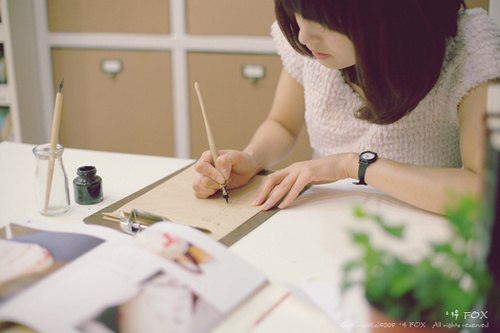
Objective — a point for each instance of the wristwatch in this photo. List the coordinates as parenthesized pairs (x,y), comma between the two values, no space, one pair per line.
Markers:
(365,159)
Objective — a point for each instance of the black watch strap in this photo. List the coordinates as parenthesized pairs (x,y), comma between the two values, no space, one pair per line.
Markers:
(365,159)
(361,173)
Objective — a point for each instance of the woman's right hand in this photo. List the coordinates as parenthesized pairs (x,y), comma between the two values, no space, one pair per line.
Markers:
(232,168)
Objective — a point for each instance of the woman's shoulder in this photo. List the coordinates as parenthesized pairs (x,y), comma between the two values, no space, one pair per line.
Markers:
(473,55)
(473,14)
(476,20)
(477,32)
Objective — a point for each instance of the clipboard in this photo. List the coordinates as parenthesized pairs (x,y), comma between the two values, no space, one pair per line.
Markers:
(234,232)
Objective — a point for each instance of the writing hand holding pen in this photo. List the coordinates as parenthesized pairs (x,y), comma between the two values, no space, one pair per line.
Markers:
(225,175)
(211,143)
(233,167)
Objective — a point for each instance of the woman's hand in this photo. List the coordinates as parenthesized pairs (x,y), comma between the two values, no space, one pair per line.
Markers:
(286,184)
(232,168)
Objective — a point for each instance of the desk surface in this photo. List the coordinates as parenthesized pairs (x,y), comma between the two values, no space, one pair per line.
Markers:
(303,245)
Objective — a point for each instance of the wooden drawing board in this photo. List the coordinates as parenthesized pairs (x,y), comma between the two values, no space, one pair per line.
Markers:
(172,197)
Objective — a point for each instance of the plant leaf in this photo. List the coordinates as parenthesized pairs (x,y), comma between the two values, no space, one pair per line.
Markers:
(396,231)
(360,238)
(359,212)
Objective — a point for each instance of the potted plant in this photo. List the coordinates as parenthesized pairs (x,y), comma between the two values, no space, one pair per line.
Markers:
(438,290)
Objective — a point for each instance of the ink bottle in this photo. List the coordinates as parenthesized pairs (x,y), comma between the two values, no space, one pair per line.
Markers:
(87,186)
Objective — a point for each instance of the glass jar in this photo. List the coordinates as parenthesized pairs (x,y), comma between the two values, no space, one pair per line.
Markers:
(51,185)
(87,186)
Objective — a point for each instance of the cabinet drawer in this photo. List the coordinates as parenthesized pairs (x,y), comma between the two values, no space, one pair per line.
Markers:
(229,17)
(130,113)
(235,105)
(126,16)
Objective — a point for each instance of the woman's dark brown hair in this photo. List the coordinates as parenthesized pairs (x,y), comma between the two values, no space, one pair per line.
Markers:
(400,46)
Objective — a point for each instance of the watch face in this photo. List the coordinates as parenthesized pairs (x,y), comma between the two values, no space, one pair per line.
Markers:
(368,155)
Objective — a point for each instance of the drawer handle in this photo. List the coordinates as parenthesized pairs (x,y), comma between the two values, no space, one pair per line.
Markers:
(253,72)
(111,67)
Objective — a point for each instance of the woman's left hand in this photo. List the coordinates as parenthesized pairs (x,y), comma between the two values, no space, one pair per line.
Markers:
(286,184)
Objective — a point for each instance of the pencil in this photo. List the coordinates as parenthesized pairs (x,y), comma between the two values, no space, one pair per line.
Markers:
(211,141)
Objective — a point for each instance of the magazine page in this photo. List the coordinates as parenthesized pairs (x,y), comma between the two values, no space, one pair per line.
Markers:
(30,254)
(168,278)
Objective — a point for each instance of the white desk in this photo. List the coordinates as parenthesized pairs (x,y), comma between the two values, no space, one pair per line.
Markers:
(306,243)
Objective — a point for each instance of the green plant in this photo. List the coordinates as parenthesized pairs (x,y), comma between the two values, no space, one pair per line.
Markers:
(449,278)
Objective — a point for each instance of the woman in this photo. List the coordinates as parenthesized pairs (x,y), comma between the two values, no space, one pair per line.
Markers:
(404,80)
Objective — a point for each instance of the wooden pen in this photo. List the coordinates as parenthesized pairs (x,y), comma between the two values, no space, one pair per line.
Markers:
(211,141)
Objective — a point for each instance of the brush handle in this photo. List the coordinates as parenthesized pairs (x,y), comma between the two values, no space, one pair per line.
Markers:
(210,137)
(54,137)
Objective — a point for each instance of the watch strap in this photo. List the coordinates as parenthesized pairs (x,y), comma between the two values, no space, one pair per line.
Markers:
(361,173)
(365,159)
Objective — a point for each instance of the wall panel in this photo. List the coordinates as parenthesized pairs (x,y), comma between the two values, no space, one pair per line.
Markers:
(130,113)
(229,17)
(127,16)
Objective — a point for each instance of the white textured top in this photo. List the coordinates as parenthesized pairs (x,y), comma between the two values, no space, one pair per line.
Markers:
(429,135)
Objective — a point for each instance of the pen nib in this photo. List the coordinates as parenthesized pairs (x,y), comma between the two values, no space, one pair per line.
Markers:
(225,195)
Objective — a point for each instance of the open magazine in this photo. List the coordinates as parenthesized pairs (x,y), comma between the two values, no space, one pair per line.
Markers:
(168,278)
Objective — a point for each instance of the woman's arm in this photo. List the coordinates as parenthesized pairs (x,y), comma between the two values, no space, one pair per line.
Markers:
(275,137)
(434,188)
(426,187)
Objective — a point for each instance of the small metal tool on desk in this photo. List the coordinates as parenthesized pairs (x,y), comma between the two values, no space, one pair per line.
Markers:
(138,220)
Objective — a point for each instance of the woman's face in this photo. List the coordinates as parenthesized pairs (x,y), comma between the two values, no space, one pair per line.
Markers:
(330,48)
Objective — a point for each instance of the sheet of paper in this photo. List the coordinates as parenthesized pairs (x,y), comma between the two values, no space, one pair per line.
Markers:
(175,200)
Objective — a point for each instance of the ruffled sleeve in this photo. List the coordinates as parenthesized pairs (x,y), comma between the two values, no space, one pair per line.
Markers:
(292,61)
(474,55)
